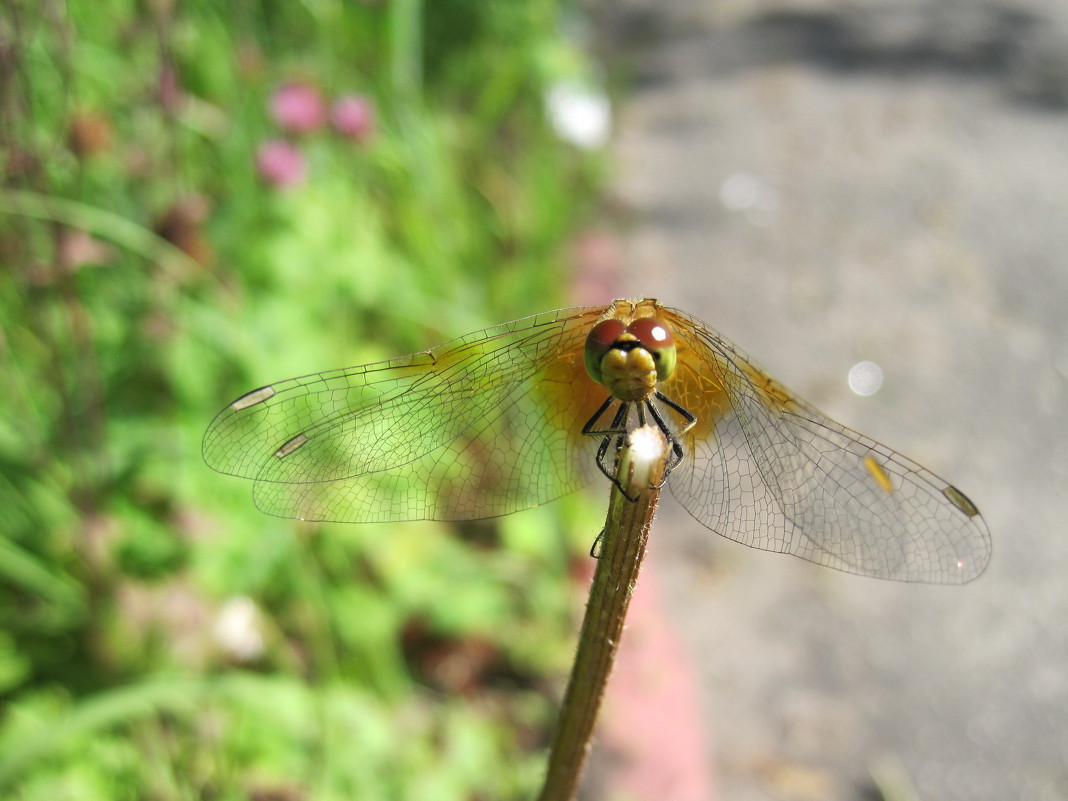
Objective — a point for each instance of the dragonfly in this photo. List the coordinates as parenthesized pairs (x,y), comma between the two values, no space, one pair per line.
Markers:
(517,415)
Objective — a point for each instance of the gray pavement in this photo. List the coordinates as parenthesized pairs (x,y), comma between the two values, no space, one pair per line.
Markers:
(826,183)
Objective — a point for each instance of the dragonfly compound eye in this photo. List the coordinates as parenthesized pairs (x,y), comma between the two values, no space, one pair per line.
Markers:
(656,338)
(601,339)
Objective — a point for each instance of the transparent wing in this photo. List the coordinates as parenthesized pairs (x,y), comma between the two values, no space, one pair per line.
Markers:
(770,471)
(481,426)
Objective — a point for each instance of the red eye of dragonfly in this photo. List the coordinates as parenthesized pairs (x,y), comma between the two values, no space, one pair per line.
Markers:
(507,418)
(656,338)
(599,341)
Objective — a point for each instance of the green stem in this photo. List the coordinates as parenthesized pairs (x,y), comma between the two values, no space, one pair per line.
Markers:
(109,225)
(406,48)
(641,470)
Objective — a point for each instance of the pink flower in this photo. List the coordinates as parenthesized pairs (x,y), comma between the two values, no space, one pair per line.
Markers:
(280,163)
(353,116)
(298,108)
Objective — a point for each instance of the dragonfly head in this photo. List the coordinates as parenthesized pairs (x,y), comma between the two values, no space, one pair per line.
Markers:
(630,359)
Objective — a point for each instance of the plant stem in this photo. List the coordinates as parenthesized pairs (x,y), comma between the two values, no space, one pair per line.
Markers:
(406,48)
(640,471)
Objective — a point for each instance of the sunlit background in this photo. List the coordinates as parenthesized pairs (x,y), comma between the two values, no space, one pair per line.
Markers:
(200,198)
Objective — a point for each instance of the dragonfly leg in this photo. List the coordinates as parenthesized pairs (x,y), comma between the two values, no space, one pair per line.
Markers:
(597,415)
(617,430)
(620,427)
(682,411)
(678,453)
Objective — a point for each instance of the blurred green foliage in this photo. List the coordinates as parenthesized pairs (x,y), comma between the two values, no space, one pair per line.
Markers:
(159,638)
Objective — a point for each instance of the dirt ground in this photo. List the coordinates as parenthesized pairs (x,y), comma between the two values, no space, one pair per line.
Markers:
(828,183)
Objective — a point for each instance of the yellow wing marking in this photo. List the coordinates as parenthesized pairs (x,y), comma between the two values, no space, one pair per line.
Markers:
(878,472)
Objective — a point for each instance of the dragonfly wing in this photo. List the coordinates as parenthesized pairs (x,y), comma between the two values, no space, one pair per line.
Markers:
(481,426)
(500,464)
(770,471)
